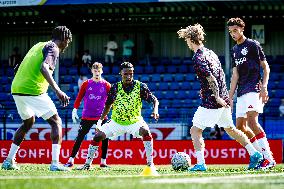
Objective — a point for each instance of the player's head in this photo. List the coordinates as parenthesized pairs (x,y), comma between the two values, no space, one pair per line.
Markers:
(63,36)
(192,35)
(236,28)
(126,72)
(97,70)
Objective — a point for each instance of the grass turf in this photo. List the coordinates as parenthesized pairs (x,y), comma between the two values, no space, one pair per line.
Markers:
(38,176)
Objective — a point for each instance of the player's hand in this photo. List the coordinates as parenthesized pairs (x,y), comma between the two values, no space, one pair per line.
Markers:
(64,99)
(99,125)
(155,116)
(222,102)
(75,116)
(264,95)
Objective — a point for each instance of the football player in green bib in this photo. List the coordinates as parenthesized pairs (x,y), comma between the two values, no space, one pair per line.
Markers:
(125,98)
(29,90)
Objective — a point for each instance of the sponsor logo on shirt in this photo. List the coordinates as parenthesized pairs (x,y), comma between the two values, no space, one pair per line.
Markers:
(240,60)
(94,97)
(90,88)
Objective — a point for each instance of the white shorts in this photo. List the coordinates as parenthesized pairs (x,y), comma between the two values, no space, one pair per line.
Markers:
(113,129)
(248,102)
(41,106)
(204,117)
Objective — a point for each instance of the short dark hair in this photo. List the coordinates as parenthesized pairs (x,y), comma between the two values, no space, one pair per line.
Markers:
(236,22)
(126,65)
(61,33)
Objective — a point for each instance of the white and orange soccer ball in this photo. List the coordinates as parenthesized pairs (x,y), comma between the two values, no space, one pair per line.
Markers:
(180,161)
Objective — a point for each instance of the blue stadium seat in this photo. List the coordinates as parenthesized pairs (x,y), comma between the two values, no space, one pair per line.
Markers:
(182,94)
(174,86)
(170,95)
(145,78)
(10,71)
(67,79)
(152,86)
(4,79)
(115,70)
(186,85)
(149,69)
(196,86)
(106,70)
(165,61)
(171,69)
(190,77)
(160,69)
(138,69)
(179,77)
(187,60)
(182,69)
(156,77)
(63,71)
(72,71)
(163,86)
(168,78)
(85,71)
(176,60)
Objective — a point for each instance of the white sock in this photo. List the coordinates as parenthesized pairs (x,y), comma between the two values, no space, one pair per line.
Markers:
(103,161)
(55,153)
(91,153)
(200,157)
(251,150)
(13,151)
(256,145)
(71,160)
(148,145)
(265,149)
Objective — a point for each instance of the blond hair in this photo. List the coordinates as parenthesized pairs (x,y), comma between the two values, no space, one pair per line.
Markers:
(195,33)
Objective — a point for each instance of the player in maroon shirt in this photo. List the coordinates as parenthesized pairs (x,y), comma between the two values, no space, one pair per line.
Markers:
(248,59)
(215,104)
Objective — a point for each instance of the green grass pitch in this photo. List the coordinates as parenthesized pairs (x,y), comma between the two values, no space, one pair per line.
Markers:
(37,176)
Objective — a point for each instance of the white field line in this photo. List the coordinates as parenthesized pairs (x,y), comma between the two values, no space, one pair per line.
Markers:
(159,179)
(245,178)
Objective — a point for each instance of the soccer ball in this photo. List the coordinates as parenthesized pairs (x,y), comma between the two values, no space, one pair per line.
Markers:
(180,161)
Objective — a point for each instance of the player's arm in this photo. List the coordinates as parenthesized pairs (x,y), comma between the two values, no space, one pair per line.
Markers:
(234,82)
(110,100)
(50,56)
(266,71)
(215,90)
(146,95)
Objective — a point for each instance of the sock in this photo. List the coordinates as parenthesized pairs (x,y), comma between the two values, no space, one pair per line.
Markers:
(200,157)
(255,144)
(264,146)
(13,151)
(103,161)
(71,160)
(91,153)
(148,145)
(251,150)
(55,153)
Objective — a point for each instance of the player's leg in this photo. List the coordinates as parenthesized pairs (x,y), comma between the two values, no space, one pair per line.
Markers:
(242,106)
(107,131)
(56,138)
(85,126)
(9,163)
(199,148)
(104,153)
(28,116)
(226,122)
(202,118)
(260,137)
(144,132)
(103,163)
